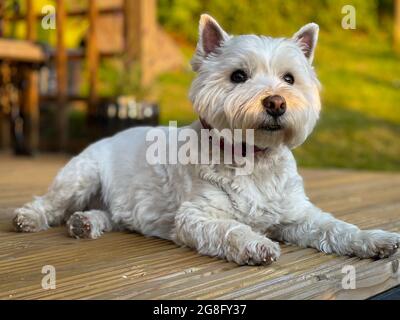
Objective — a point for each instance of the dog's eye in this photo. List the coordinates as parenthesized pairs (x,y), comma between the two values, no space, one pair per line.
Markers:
(288,77)
(239,76)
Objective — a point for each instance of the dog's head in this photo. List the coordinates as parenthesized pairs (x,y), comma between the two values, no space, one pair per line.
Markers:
(257,82)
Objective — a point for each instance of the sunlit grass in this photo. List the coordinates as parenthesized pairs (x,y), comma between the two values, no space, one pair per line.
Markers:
(360,122)
(174,101)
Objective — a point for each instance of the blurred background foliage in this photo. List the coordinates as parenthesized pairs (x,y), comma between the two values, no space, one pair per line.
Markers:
(270,17)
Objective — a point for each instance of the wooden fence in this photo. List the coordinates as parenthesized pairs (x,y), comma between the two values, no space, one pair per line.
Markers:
(141,41)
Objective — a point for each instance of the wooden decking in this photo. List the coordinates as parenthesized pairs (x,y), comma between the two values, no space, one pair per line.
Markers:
(129,266)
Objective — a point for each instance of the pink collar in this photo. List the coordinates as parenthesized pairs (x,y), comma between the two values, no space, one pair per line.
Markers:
(256,150)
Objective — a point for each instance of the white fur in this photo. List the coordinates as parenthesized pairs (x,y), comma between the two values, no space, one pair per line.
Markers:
(208,207)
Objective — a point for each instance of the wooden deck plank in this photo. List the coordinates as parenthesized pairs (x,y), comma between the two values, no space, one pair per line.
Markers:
(123,265)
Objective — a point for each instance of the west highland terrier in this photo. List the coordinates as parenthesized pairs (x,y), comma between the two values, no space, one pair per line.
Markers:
(243,82)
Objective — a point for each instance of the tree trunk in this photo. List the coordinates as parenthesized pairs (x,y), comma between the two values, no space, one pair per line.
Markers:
(396,31)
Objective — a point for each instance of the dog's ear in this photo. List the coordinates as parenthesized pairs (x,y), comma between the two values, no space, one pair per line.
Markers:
(307,38)
(211,37)
(211,34)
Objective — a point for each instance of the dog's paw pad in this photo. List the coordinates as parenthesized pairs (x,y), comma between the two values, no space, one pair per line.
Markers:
(79,226)
(27,221)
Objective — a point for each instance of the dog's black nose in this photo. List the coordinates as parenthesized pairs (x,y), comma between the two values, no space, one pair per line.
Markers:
(275,105)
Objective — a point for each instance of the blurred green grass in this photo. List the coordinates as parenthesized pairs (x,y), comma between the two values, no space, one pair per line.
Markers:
(360,122)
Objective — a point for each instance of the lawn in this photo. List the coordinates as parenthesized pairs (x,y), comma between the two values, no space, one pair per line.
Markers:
(360,122)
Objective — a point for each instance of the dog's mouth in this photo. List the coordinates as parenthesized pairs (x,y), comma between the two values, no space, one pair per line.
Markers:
(272,127)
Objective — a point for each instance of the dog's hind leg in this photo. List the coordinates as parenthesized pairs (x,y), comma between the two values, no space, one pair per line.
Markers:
(70,191)
(89,224)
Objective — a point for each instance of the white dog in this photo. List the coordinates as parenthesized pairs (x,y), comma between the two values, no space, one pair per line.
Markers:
(243,82)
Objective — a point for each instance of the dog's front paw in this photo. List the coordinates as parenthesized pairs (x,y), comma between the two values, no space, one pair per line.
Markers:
(28,220)
(377,244)
(259,251)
